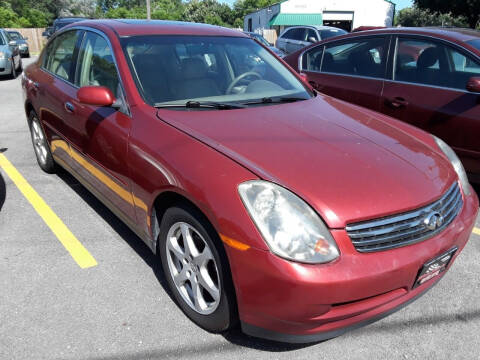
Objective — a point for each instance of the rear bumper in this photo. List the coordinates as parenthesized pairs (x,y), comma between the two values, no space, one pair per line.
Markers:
(292,302)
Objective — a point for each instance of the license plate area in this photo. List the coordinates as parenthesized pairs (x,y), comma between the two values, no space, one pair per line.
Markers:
(434,267)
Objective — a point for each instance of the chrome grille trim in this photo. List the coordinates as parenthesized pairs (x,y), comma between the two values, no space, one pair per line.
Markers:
(406,228)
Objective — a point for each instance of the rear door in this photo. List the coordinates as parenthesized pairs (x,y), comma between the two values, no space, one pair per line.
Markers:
(54,86)
(352,70)
(99,150)
(427,88)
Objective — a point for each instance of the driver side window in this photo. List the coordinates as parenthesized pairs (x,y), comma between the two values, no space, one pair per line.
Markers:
(96,65)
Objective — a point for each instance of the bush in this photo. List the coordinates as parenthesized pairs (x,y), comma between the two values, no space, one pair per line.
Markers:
(420,17)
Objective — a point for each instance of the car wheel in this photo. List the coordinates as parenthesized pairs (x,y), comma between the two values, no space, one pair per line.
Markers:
(196,269)
(13,74)
(20,66)
(40,145)
(27,55)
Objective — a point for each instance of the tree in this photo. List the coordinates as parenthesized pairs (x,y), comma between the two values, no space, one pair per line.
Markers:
(208,11)
(470,9)
(420,17)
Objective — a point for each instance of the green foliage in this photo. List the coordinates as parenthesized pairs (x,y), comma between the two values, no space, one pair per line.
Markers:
(469,9)
(421,17)
(208,11)
(41,13)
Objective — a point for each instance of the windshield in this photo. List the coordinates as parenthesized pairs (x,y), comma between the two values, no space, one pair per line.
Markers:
(325,34)
(15,35)
(178,69)
(475,43)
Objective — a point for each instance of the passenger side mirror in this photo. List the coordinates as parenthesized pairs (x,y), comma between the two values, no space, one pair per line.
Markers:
(96,95)
(12,43)
(312,39)
(473,84)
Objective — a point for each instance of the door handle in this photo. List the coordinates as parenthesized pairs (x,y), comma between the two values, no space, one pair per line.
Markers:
(397,102)
(69,107)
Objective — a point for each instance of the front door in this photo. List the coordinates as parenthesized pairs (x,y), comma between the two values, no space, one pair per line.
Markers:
(428,90)
(100,151)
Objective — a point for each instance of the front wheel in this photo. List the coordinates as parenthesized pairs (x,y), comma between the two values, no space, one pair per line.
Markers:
(196,269)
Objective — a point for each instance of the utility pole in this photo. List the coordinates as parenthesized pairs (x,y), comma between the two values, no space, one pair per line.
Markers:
(148,10)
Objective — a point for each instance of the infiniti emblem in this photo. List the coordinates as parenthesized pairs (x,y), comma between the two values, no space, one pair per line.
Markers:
(433,220)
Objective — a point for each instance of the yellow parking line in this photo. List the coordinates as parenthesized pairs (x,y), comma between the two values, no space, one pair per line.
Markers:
(476,231)
(64,235)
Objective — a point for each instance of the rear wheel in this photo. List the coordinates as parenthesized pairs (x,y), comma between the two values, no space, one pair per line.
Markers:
(196,269)
(40,145)
(13,74)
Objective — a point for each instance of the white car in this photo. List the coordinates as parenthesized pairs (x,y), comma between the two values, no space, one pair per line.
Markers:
(297,37)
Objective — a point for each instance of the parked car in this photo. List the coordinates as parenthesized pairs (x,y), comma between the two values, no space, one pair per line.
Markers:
(10,60)
(60,23)
(263,41)
(296,213)
(21,42)
(297,37)
(428,77)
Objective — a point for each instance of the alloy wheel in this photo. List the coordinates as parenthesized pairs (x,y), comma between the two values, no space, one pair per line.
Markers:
(193,268)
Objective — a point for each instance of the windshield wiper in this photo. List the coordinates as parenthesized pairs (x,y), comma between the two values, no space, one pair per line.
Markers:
(202,104)
(271,100)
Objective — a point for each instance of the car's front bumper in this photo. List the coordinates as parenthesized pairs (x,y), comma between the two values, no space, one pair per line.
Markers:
(5,66)
(292,302)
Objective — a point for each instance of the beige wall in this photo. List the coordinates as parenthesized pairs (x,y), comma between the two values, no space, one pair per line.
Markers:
(35,39)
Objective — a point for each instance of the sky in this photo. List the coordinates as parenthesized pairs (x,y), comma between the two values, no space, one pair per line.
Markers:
(400,3)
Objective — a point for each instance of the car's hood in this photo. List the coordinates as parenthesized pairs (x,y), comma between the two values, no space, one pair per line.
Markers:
(344,161)
(21,41)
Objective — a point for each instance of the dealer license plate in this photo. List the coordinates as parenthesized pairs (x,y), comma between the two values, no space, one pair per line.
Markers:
(434,267)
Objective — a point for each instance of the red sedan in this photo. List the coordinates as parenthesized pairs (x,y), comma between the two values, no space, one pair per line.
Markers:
(294,213)
(427,77)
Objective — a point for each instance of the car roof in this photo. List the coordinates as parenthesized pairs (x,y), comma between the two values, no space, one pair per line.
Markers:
(132,27)
(457,34)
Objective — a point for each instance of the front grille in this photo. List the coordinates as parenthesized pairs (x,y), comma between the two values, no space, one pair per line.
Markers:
(406,228)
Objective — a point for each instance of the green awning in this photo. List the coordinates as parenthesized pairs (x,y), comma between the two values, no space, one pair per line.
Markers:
(296,19)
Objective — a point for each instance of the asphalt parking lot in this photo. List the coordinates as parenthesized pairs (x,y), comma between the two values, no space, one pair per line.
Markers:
(118,307)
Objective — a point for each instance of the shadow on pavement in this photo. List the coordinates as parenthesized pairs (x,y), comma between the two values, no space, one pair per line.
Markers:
(234,336)
(3,186)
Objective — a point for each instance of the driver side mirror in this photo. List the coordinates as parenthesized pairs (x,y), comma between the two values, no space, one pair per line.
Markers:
(96,95)
(312,39)
(473,84)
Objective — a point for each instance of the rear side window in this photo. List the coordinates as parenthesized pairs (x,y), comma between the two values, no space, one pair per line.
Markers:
(2,39)
(59,55)
(96,65)
(365,57)
(312,59)
(433,63)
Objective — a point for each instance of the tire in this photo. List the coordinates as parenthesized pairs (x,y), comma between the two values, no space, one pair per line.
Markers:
(215,313)
(20,66)
(27,55)
(40,145)
(13,74)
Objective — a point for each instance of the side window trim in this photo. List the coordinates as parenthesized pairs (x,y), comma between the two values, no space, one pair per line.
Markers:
(125,108)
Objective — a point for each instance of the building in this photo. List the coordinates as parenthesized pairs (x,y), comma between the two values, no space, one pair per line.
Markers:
(345,14)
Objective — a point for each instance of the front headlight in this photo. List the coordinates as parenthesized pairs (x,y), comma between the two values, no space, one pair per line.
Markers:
(2,55)
(457,165)
(289,226)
